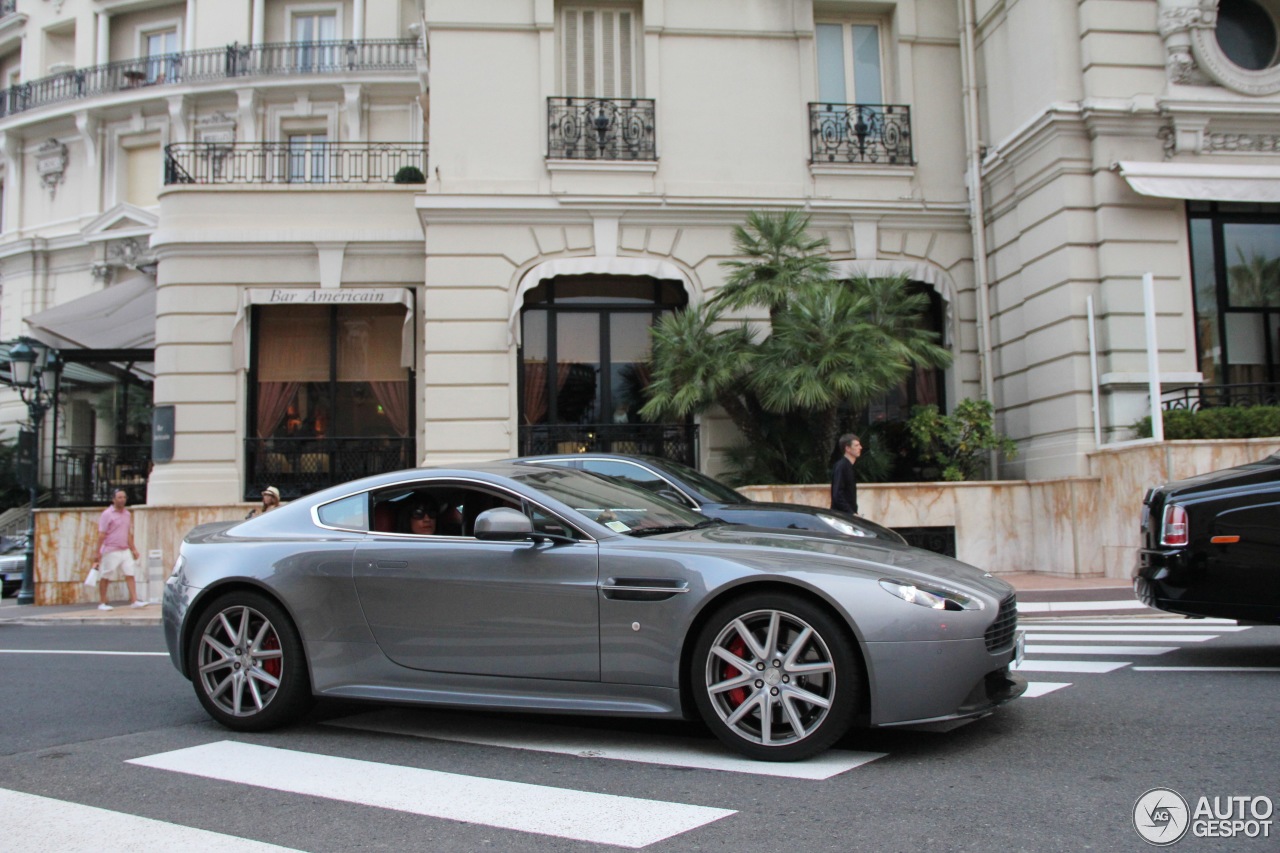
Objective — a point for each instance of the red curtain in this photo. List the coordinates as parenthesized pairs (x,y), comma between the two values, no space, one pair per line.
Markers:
(394,399)
(273,401)
(535,388)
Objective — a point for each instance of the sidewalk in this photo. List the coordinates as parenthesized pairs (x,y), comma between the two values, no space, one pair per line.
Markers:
(1038,595)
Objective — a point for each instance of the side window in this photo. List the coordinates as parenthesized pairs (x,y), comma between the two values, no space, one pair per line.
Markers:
(435,510)
(639,476)
(350,513)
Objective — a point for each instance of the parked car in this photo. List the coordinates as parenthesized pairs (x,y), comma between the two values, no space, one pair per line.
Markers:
(714,499)
(549,589)
(1211,544)
(13,559)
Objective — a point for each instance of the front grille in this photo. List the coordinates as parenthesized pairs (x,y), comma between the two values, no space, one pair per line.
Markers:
(1000,635)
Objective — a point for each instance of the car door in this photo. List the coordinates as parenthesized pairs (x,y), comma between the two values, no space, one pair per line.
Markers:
(1242,559)
(457,604)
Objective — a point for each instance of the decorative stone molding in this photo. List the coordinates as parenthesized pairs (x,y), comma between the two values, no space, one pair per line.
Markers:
(1192,50)
(51,164)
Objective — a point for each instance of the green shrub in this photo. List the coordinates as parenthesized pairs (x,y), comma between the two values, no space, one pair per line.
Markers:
(1223,422)
(410,175)
(957,445)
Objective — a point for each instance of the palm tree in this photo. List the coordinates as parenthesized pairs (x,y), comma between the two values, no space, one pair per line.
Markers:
(1254,282)
(842,346)
(696,366)
(779,260)
(831,345)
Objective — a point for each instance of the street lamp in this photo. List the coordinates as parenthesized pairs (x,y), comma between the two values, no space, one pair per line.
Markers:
(30,361)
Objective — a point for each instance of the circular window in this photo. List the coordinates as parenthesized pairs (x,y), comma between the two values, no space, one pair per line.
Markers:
(1246,33)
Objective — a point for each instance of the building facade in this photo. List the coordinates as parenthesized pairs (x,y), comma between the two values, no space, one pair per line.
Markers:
(325,300)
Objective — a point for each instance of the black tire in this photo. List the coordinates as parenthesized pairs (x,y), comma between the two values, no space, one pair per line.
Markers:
(789,697)
(247,664)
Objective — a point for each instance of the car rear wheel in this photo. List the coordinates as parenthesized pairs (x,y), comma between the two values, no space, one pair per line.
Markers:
(776,677)
(247,663)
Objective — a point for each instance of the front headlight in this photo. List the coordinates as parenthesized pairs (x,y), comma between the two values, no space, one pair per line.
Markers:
(931,597)
(839,525)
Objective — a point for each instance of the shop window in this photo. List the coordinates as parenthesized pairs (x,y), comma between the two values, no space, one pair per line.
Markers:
(595,331)
(1235,261)
(329,372)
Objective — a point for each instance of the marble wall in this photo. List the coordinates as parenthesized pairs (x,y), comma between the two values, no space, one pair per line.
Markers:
(1077,527)
(66,541)
(1071,527)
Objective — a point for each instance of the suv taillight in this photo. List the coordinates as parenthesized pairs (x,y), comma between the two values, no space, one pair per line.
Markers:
(1174,531)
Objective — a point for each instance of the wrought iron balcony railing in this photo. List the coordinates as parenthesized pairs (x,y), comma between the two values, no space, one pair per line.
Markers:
(291,163)
(860,133)
(235,60)
(600,129)
(300,466)
(678,442)
(1215,396)
(88,475)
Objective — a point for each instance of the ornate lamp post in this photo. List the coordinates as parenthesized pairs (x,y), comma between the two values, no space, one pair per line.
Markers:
(30,361)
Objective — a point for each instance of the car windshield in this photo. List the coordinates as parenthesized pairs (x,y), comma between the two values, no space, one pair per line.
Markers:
(713,489)
(619,506)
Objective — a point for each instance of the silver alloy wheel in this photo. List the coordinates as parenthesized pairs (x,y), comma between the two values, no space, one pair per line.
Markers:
(770,677)
(240,661)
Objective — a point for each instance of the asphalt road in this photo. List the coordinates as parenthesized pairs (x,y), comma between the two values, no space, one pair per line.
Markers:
(1058,771)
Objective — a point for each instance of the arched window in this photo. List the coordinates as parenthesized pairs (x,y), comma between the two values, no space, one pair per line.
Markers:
(584,364)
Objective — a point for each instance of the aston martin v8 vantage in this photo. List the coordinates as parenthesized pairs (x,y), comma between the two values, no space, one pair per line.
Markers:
(532,588)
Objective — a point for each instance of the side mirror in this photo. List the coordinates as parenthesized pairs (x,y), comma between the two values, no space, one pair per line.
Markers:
(503,525)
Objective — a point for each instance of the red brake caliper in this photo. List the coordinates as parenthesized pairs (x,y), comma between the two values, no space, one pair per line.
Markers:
(272,665)
(737,695)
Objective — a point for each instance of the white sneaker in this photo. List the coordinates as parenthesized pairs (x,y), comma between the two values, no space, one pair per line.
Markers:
(140,604)
(105,607)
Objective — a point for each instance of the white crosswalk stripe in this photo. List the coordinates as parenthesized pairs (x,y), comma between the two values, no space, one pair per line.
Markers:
(1094,666)
(1041,636)
(1051,649)
(1146,627)
(586,743)
(1042,688)
(40,823)
(578,815)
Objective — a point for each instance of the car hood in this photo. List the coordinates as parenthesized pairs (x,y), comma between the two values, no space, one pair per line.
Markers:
(771,550)
(802,509)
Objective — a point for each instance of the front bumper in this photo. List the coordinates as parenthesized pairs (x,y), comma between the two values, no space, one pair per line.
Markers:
(915,683)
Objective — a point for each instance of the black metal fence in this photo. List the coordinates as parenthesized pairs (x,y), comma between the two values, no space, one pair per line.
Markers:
(860,133)
(235,60)
(678,442)
(1215,396)
(291,163)
(600,129)
(88,475)
(299,466)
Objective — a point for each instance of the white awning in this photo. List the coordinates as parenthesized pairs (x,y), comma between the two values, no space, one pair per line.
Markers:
(1203,181)
(122,316)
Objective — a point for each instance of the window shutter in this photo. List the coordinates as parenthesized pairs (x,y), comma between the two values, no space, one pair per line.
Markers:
(599,52)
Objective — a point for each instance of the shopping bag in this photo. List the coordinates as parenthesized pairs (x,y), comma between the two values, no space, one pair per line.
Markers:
(91,579)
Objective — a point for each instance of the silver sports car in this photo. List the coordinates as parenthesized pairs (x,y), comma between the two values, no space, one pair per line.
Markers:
(530,588)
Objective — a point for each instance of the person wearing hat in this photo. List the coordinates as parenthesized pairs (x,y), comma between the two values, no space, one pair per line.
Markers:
(270,501)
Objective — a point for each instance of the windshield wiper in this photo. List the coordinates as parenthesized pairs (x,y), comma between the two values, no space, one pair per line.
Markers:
(675,528)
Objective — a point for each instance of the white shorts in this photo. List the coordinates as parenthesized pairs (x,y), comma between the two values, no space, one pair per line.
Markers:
(117,564)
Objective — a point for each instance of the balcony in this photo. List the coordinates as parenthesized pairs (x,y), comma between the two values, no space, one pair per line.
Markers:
(88,475)
(286,163)
(678,442)
(1216,396)
(875,134)
(609,129)
(236,60)
(299,466)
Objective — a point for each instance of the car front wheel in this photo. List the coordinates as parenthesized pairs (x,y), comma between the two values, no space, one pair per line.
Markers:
(247,663)
(776,677)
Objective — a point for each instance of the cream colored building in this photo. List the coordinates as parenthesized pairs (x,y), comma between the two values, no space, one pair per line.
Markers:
(315,320)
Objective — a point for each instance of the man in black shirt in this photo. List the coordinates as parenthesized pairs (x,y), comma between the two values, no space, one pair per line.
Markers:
(844,485)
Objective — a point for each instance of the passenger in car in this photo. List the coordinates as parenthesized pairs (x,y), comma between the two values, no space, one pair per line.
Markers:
(420,519)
